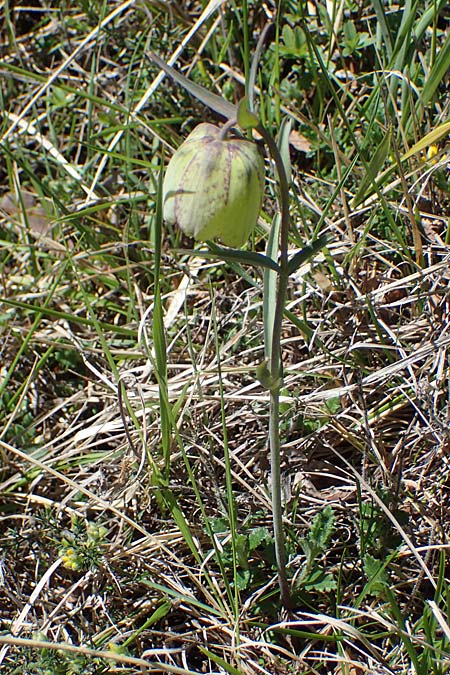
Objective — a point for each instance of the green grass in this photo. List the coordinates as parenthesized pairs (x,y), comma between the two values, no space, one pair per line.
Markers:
(135,513)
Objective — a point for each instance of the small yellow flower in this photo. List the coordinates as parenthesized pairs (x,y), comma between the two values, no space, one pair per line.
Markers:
(431,153)
(70,559)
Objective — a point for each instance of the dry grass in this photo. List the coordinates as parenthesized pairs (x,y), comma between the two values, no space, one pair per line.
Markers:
(103,556)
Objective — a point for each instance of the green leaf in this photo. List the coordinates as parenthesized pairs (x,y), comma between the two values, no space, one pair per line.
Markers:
(306,253)
(242,579)
(320,581)
(373,169)
(241,545)
(160,612)
(220,105)
(218,660)
(264,376)
(429,139)
(234,255)
(283,146)
(379,8)
(255,64)
(219,525)
(350,32)
(73,318)
(270,286)
(159,337)
(181,522)
(181,597)
(245,117)
(322,527)
(257,536)
(333,405)
(376,574)
(404,35)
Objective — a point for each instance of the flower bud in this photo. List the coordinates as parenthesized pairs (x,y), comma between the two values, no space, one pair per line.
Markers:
(213,187)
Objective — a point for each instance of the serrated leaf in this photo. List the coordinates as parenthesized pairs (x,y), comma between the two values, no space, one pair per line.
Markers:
(242,579)
(320,581)
(322,527)
(219,525)
(309,549)
(257,536)
(376,574)
(333,404)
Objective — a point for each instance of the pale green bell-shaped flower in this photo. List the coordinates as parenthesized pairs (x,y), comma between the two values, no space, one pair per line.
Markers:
(213,186)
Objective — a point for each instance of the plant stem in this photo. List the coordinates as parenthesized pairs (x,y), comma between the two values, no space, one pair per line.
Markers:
(276,371)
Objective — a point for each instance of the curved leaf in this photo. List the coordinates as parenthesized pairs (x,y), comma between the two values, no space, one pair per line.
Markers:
(306,253)
(234,255)
(220,105)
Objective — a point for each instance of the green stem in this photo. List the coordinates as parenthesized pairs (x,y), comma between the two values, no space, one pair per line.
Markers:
(226,128)
(276,371)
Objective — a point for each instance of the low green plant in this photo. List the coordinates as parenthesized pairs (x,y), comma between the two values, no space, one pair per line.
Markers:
(81,547)
(313,576)
(254,547)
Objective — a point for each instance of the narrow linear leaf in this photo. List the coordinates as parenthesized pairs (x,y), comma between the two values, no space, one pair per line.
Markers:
(429,139)
(234,255)
(219,661)
(73,318)
(283,146)
(334,638)
(183,597)
(160,613)
(440,67)
(159,337)
(373,169)
(220,105)
(181,523)
(302,327)
(270,286)
(306,253)
(404,35)
(378,7)
(432,137)
(255,64)
(428,18)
